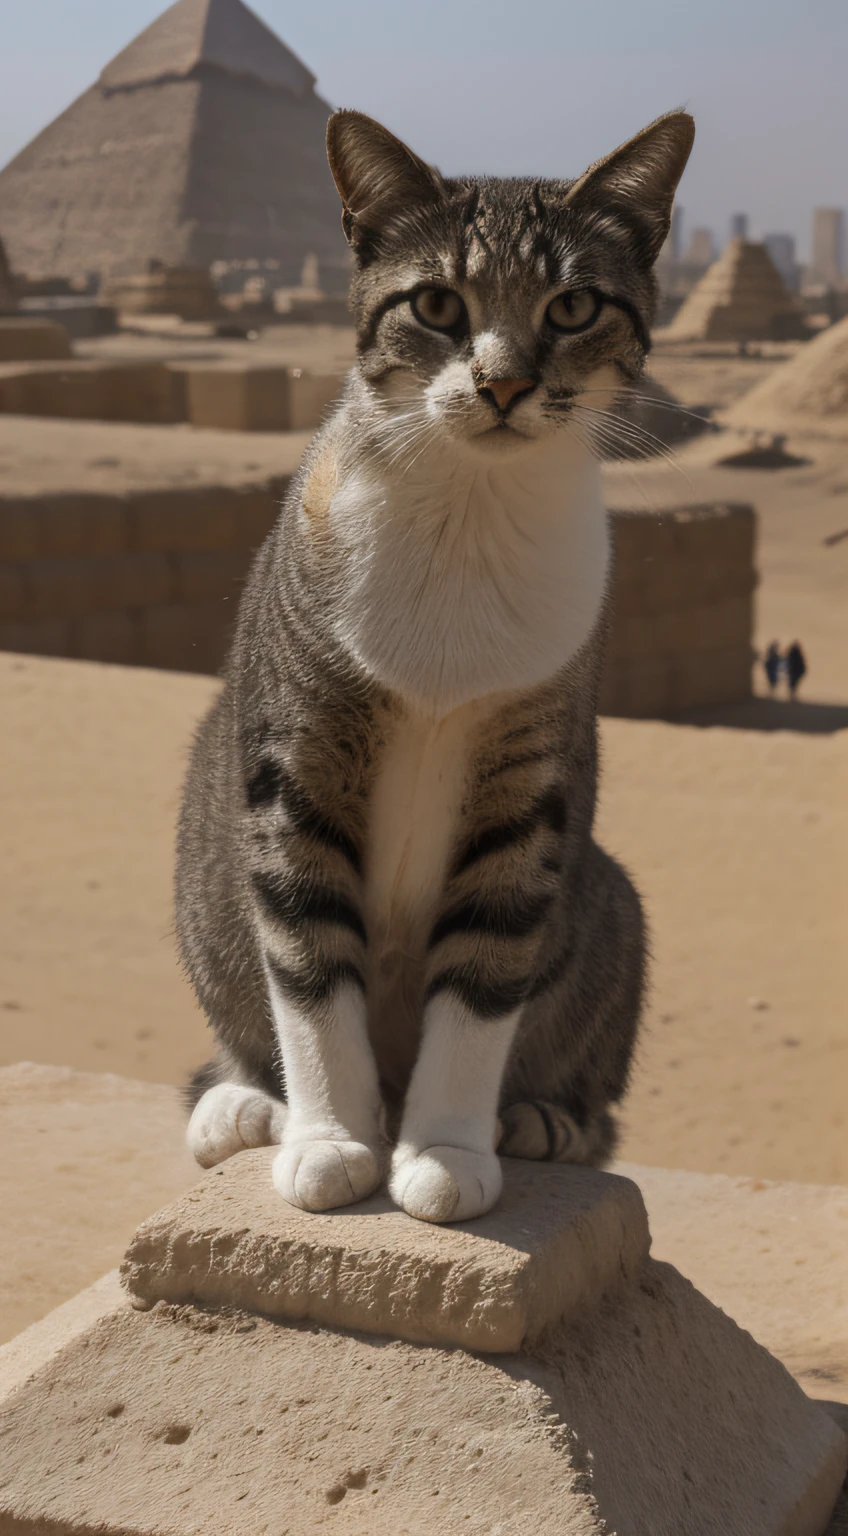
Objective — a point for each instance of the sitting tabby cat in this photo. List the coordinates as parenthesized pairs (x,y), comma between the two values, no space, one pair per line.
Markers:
(389,899)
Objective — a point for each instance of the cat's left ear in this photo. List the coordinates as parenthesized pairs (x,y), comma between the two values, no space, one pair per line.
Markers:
(378,177)
(640,179)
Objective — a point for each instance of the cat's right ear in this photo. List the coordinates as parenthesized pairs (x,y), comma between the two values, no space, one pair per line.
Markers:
(376,175)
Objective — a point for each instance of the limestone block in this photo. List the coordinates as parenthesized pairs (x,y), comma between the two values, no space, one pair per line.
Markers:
(636,686)
(773,1256)
(711,677)
(22,340)
(553,1240)
(91,391)
(310,396)
(649,1414)
(256,399)
(188,637)
(238,399)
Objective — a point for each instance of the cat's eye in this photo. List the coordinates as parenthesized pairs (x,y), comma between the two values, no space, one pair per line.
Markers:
(439,308)
(574,310)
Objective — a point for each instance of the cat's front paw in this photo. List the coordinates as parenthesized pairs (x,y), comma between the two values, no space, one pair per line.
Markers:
(320,1175)
(445,1183)
(229,1118)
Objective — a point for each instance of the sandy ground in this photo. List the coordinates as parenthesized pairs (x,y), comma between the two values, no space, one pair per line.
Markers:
(738,840)
(41,456)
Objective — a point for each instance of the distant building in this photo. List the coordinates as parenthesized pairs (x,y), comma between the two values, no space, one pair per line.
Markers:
(700,251)
(739,226)
(781,249)
(828,263)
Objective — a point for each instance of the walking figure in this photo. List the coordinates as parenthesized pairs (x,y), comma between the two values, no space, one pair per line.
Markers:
(796,666)
(772,664)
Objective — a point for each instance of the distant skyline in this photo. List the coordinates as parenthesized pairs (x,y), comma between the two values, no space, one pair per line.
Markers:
(534,87)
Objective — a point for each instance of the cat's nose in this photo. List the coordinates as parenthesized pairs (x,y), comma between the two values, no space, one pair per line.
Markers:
(505,392)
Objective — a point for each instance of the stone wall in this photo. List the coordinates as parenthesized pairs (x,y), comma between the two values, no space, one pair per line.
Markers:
(683,601)
(152,578)
(236,396)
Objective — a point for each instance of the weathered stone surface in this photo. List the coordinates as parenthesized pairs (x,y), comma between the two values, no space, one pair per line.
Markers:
(773,1256)
(559,1238)
(651,1415)
(39,1344)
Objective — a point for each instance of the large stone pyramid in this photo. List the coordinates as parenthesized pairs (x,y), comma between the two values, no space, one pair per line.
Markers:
(202,141)
(741,298)
(8,297)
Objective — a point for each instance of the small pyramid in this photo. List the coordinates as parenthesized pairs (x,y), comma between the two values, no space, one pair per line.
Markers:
(202,141)
(8,297)
(810,392)
(741,298)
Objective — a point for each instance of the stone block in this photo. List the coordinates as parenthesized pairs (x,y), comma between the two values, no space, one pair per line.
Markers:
(711,677)
(92,391)
(22,340)
(211,574)
(555,1240)
(252,398)
(81,525)
(84,586)
(643,1411)
(37,637)
(191,519)
(310,397)
(239,399)
(185,637)
(111,637)
(14,591)
(637,688)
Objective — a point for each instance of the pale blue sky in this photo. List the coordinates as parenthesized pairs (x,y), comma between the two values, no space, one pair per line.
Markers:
(528,85)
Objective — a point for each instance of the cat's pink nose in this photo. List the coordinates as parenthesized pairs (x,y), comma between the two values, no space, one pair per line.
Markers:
(505,391)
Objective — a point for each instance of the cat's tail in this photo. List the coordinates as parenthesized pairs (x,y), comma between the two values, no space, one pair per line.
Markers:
(546,1132)
(202,1078)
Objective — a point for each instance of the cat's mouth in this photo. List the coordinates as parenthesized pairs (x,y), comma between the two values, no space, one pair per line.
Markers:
(502,434)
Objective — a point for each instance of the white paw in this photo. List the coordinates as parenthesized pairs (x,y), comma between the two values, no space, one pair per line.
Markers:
(445,1183)
(320,1175)
(229,1118)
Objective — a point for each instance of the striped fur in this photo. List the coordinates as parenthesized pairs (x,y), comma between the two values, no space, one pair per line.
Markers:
(389,898)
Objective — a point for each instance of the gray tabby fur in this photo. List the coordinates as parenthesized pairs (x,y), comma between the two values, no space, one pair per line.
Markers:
(532,920)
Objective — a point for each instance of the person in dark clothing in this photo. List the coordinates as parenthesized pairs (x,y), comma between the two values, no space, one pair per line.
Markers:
(796,666)
(772,662)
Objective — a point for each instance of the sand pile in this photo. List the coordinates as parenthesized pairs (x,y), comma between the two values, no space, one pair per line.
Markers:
(809,394)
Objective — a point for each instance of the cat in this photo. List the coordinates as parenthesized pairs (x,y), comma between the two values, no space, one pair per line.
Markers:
(389,900)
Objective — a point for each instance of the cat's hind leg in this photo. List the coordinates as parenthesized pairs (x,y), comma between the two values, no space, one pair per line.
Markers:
(541,1131)
(230,1117)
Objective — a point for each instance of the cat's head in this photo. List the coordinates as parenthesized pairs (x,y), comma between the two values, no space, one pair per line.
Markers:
(489,309)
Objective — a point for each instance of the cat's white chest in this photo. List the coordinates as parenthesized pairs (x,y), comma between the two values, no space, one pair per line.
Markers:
(462,581)
(414,817)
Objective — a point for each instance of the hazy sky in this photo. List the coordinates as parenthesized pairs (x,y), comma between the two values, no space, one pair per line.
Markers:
(528,85)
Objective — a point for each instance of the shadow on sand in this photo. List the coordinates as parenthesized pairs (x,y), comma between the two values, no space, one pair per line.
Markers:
(771,715)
